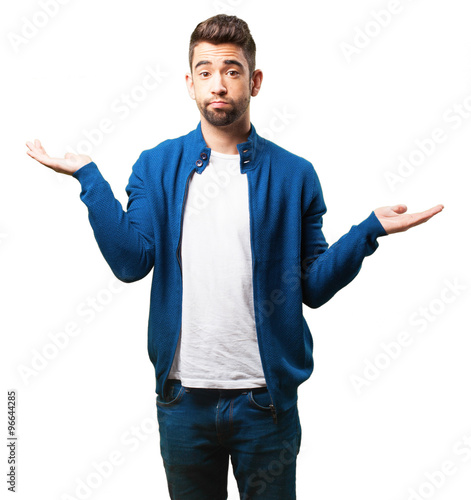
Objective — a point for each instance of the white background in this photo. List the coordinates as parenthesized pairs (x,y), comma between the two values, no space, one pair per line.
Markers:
(352,117)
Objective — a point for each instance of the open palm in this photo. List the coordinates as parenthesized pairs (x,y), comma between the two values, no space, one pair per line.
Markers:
(394,219)
(67,165)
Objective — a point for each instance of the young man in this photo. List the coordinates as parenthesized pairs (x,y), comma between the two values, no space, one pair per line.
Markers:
(226,334)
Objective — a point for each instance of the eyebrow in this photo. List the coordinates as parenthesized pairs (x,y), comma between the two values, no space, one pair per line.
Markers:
(227,62)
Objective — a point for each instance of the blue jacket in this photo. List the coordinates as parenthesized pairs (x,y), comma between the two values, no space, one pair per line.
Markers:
(291,260)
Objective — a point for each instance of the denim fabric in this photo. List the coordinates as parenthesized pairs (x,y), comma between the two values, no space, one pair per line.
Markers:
(200,429)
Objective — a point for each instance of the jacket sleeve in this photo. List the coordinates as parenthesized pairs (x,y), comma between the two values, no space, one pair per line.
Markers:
(125,238)
(327,269)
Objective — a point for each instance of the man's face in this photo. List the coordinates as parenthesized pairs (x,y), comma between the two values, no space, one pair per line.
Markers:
(220,82)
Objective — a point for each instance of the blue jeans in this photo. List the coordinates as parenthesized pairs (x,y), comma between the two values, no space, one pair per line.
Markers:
(201,428)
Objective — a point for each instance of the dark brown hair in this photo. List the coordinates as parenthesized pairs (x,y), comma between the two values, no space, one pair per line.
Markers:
(225,29)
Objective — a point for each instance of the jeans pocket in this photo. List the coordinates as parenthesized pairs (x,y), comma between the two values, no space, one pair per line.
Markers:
(173,393)
(260,399)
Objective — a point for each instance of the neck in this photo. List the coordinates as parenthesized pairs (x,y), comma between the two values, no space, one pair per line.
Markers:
(225,139)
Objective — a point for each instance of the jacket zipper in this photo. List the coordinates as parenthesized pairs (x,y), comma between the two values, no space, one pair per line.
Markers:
(272,406)
(178,252)
(181,223)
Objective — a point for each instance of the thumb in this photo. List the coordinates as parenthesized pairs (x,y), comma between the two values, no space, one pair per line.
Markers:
(74,160)
(399,209)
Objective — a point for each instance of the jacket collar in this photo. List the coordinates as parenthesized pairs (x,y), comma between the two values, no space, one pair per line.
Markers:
(250,151)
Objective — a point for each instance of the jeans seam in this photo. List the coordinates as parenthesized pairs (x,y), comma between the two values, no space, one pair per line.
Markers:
(231,420)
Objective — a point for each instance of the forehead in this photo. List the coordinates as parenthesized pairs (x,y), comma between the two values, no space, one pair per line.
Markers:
(206,51)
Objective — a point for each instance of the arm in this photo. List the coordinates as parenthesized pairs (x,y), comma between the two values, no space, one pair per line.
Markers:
(326,270)
(125,238)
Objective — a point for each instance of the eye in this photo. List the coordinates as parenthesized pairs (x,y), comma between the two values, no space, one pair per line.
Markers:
(204,74)
(233,72)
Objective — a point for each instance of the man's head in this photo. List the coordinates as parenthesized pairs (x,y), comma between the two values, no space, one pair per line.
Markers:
(223,75)
(224,29)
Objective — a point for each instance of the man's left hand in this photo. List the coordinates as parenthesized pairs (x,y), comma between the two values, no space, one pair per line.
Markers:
(395,220)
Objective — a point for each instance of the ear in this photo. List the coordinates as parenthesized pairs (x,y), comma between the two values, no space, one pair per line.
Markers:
(190,85)
(257,78)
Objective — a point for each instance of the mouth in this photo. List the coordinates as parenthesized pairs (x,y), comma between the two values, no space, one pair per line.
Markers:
(218,104)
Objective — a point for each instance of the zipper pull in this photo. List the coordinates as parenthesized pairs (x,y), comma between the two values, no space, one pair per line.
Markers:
(273,412)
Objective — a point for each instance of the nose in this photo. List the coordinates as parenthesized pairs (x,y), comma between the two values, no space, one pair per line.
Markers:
(218,86)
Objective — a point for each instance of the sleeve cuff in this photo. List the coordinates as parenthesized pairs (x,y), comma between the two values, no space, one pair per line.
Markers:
(372,227)
(87,173)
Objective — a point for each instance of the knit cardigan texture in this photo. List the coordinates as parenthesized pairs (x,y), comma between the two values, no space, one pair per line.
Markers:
(292,264)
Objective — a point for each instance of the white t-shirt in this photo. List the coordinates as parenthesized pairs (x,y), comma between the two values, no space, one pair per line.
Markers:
(218,345)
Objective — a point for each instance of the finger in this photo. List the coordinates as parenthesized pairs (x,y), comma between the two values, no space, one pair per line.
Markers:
(38,156)
(34,148)
(40,146)
(421,217)
(32,151)
(417,222)
(45,159)
(431,211)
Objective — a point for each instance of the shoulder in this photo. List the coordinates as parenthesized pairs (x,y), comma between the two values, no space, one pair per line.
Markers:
(295,170)
(289,161)
(168,146)
(167,153)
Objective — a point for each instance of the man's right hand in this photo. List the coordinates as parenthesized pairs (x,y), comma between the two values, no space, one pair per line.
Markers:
(67,165)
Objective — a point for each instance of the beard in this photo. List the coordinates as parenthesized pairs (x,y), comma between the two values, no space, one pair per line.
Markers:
(219,117)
